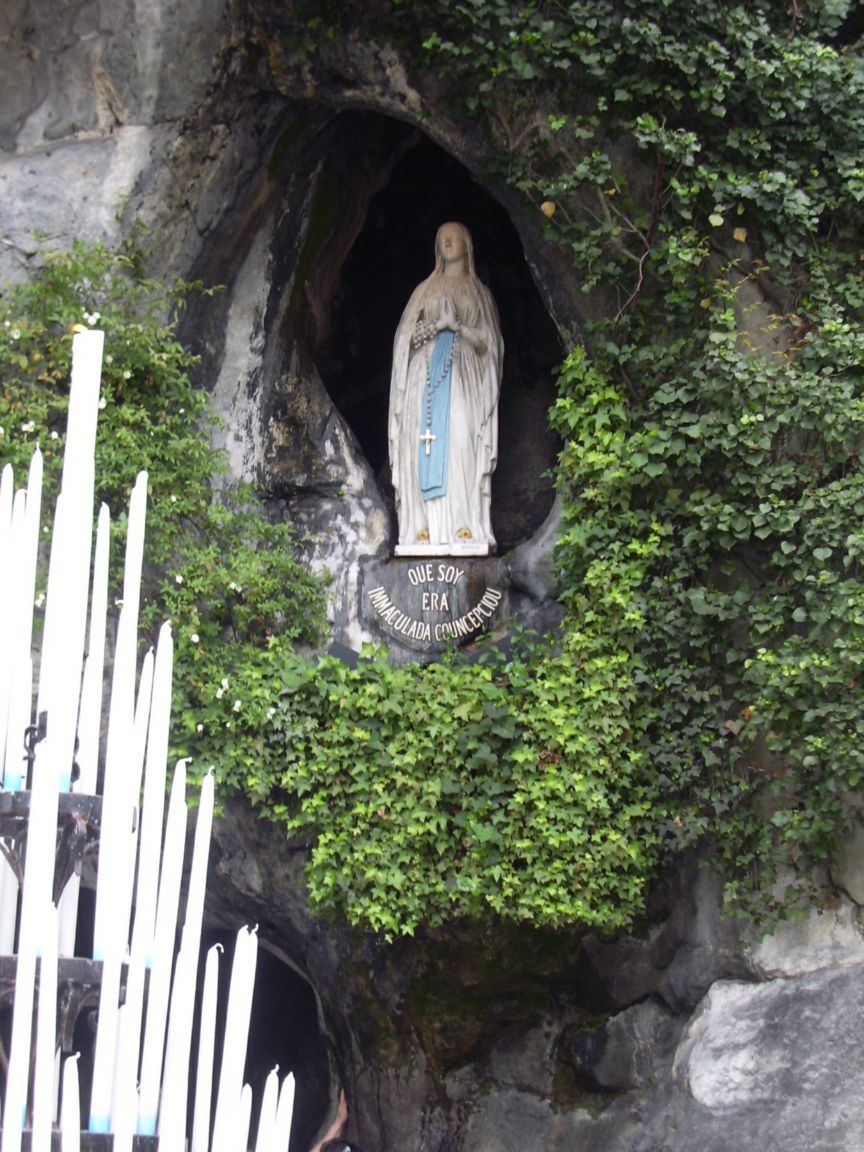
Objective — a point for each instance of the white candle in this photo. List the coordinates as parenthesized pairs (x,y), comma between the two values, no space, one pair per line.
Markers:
(58,1060)
(79,450)
(115,801)
(7,492)
(135,546)
(69,574)
(172,1104)
(18,1073)
(8,908)
(70,1108)
(29,558)
(163,948)
(46,1032)
(20,718)
(121,722)
(284,1115)
(36,902)
(106,1045)
(13,649)
(236,1037)
(264,1141)
(200,859)
(17,621)
(153,805)
(124,1129)
(206,1043)
(129,1039)
(172,1110)
(244,1117)
(90,717)
(90,720)
(9,561)
(126,843)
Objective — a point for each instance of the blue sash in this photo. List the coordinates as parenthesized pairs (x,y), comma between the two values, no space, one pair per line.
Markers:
(432,449)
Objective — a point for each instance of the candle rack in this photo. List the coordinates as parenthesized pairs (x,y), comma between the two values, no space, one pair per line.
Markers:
(79,982)
(78,826)
(139,1076)
(94,1142)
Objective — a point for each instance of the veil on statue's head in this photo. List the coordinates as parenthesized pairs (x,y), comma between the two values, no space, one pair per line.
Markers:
(469,247)
(472,298)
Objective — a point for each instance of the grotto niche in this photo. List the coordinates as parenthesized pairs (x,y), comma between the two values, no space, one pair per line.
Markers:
(392,253)
(325,240)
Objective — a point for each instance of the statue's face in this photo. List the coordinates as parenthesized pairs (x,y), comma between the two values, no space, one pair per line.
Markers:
(451,241)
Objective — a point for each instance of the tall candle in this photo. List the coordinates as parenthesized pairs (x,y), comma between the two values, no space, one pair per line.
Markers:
(69,567)
(20,704)
(106,1045)
(58,1059)
(126,844)
(79,451)
(172,1104)
(153,804)
(124,1128)
(163,947)
(90,719)
(7,492)
(129,1038)
(20,718)
(46,1032)
(115,800)
(8,907)
(200,859)
(244,1118)
(206,1044)
(284,1114)
(39,861)
(172,1110)
(29,556)
(135,545)
(13,649)
(36,900)
(9,561)
(265,1140)
(18,1072)
(70,1108)
(236,1036)
(121,721)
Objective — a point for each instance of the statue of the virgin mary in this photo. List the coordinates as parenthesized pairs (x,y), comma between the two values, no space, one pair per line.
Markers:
(443,426)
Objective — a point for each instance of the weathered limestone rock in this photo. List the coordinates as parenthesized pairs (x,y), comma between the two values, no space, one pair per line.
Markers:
(818,938)
(503,1039)
(680,958)
(848,870)
(191,119)
(780,1058)
(269,178)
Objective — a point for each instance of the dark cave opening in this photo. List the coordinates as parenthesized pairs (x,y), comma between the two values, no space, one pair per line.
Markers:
(392,252)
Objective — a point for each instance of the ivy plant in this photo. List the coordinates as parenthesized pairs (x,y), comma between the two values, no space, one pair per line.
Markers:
(701,169)
(230,581)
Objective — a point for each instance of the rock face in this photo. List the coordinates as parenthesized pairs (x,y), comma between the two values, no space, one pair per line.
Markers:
(299,189)
(317,217)
(673,1039)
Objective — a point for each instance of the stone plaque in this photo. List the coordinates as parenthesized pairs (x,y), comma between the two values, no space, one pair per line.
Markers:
(428,605)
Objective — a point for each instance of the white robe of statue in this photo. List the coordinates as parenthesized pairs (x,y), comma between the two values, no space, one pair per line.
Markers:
(453,300)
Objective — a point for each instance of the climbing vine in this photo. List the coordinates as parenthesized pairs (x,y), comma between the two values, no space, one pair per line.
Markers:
(230,582)
(701,168)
